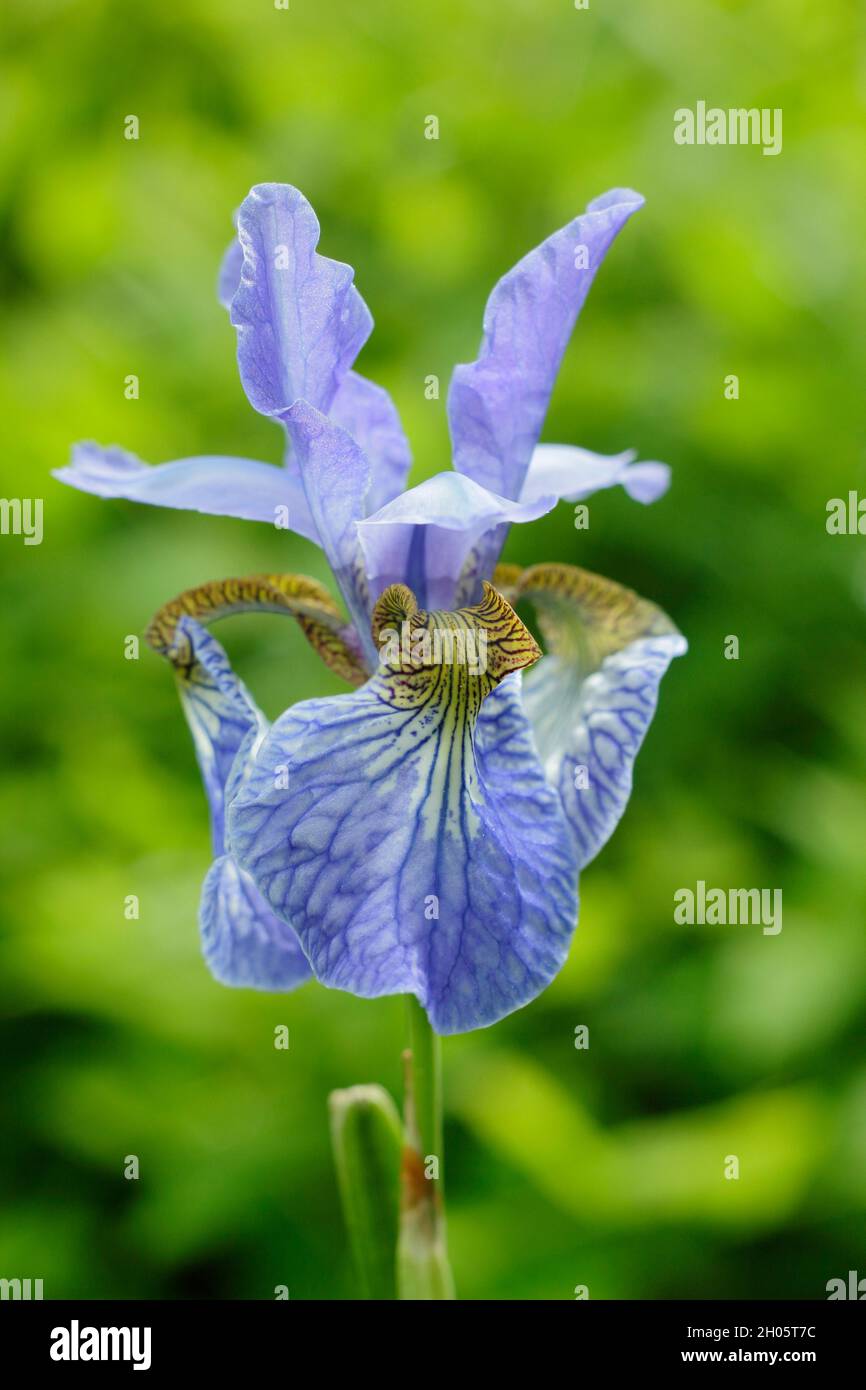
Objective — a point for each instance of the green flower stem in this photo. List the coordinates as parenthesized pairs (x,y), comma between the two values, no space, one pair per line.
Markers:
(423,1271)
(426,1082)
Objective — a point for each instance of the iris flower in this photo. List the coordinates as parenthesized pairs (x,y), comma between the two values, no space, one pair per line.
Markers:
(423,832)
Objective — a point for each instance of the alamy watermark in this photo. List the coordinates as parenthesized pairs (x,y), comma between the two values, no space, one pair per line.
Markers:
(853,1287)
(439,646)
(22,516)
(16,1289)
(739,125)
(846,516)
(729,907)
(77,1343)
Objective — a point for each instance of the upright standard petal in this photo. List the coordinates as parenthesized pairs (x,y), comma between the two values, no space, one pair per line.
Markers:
(243,941)
(300,321)
(572,474)
(432,538)
(409,855)
(590,700)
(497,404)
(217,486)
(359,406)
(366,412)
(336,477)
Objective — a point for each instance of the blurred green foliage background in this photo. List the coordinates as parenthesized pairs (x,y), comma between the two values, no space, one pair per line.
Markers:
(601,1167)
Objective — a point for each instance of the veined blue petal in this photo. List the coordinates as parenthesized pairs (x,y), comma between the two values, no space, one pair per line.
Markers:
(572,474)
(217,486)
(497,404)
(591,699)
(223,718)
(300,321)
(410,855)
(244,942)
(589,733)
(434,538)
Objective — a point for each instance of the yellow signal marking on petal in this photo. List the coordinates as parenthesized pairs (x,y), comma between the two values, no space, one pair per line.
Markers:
(393,606)
(510,644)
(585,616)
(295,594)
(481,643)
(435,668)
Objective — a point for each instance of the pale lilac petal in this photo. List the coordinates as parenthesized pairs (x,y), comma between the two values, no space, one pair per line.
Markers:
(230,273)
(300,321)
(366,412)
(497,404)
(359,406)
(431,537)
(573,474)
(215,485)
(336,478)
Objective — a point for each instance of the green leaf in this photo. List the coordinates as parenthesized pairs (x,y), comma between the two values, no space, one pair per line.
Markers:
(367,1142)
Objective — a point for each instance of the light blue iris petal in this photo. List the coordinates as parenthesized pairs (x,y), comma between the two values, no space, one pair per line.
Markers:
(408,859)
(336,478)
(573,474)
(588,731)
(222,716)
(217,486)
(243,941)
(300,321)
(230,273)
(366,412)
(431,537)
(357,405)
(497,404)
